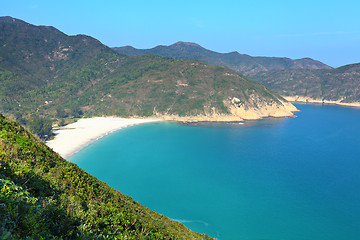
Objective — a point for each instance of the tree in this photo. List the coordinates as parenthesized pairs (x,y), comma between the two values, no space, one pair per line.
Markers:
(41,126)
(19,118)
(61,123)
(76,111)
(60,112)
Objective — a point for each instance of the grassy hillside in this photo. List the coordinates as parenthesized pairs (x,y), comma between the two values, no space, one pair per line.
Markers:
(42,196)
(168,86)
(342,83)
(45,72)
(242,63)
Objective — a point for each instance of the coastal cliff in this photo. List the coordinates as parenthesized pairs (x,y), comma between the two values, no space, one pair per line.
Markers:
(238,113)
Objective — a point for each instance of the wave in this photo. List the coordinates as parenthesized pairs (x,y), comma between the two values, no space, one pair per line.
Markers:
(191,221)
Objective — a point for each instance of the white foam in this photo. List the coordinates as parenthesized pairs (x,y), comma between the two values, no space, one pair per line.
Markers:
(191,221)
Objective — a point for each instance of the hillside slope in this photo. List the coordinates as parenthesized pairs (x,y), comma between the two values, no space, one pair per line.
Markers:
(42,196)
(341,84)
(242,63)
(180,89)
(46,72)
(33,58)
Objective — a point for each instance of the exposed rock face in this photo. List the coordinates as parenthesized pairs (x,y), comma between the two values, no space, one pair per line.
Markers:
(263,109)
(239,112)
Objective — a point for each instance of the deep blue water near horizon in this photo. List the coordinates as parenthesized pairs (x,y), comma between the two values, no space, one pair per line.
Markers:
(291,179)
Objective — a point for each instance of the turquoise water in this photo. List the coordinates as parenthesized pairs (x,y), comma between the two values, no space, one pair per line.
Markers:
(294,178)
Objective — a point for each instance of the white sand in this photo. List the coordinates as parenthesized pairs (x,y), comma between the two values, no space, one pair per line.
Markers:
(71,138)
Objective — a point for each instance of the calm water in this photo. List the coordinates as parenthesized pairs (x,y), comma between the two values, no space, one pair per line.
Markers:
(295,178)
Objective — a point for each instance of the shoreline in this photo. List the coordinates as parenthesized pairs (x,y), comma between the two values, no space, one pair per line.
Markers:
(75,136)
(303,99)
(238,114)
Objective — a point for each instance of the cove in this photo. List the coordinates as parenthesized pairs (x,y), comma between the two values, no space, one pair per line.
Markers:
(293,178)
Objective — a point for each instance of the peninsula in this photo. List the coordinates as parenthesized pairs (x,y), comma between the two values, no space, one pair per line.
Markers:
(302,80)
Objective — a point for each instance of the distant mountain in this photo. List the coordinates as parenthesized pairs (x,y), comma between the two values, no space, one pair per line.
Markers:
(43,196)
(44,71)
(340,84)
(242,63)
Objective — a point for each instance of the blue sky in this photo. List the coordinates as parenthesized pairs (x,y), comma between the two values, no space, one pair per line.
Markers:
(328,31)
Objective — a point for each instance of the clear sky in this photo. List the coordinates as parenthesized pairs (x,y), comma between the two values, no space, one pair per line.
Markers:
(328,31)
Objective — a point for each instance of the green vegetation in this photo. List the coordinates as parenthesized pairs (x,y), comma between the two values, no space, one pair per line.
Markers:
(42,196)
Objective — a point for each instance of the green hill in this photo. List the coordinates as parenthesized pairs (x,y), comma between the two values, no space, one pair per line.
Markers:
(40,64)
(42,196)
(48,73)
(242,63)
(340,84)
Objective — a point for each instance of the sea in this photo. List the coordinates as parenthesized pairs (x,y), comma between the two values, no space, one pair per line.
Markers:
(293,178)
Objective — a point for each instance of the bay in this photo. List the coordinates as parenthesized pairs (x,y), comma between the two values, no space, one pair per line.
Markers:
(294,178)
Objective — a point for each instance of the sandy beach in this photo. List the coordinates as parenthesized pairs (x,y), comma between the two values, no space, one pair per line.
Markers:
(73,137)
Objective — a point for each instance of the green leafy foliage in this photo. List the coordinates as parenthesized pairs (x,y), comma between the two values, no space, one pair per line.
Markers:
(24,216)
(42,196)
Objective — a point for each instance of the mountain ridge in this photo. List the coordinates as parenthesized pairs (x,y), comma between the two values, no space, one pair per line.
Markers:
(243,63)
